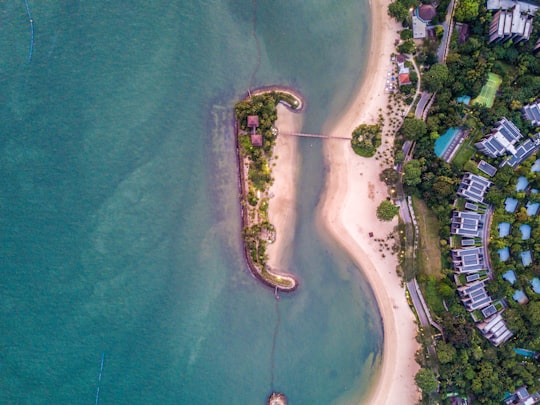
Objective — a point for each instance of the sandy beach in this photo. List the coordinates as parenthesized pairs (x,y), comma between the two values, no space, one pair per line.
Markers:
(348,213)
(282,207)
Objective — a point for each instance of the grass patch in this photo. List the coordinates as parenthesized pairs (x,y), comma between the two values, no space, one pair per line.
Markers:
(464,154)
(431,294)
(429,251)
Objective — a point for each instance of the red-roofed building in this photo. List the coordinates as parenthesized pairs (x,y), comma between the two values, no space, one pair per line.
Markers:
(404,77)
(427,12)
(256,140)
(253,123)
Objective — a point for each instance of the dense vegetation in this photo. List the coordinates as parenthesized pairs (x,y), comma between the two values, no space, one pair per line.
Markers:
(466,362)
(366,139)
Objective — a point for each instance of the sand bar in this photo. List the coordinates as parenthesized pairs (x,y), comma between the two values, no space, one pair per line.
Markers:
(348,213)
(282,206)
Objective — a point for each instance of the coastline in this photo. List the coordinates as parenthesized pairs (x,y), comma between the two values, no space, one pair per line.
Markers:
(348,213)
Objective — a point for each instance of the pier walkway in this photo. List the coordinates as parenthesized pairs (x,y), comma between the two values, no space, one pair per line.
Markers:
(313,135)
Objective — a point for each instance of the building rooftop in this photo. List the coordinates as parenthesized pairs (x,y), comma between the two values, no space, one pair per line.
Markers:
(426,12)
(473,187)
(531,112)
(487,168)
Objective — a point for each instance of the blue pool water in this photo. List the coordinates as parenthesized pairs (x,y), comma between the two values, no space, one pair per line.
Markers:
(510,204)
(532,208)
(510,276)
(524,352)
(525,231)
(504,254)
(504,229)
(536,166)
(464,100)
(522,183)
(535,282)
(442,142)
(526,258)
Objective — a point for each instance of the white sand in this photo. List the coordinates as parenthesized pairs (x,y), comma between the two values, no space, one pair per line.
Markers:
(282,206)
(348,212)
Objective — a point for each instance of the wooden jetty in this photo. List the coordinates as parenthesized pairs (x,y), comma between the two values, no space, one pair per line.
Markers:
(300,134)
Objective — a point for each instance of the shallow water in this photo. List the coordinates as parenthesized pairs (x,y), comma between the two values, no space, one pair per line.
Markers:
(119,211)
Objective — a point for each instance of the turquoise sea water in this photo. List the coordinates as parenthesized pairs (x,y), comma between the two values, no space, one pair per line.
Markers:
(119,214)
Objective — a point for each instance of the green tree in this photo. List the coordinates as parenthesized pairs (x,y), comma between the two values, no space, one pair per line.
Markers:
(466,10)
(413,128)
(412,172)
(398,11)
(386,210)
(426,380)
(407,46)
(389,176)
(435,78)
(446,352)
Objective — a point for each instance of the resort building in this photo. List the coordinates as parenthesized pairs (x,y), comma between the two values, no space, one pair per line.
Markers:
(468,260)
(474,296)
(522,397)
(501,140)
(531,112)
(420,20)
(253,123)
(487,168)
(473,187)
(505,139)
(512,23)
(495,330)
(467,224)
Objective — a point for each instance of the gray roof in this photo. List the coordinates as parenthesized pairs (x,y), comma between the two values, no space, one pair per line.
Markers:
(487,168)
(532,113)
(473,187)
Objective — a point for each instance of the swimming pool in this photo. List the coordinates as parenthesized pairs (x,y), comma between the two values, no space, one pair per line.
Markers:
(443,141)
(536,166)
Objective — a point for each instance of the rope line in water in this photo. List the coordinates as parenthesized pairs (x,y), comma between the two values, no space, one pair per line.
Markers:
(276,330)
(99,378)
(31,31)
(254,32)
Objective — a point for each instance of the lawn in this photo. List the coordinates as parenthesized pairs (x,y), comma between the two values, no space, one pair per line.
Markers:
(429,252)
(487,94)
(464,154)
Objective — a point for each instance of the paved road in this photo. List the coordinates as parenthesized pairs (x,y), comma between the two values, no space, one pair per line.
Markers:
(422,316)
(424,98)
(447,24)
